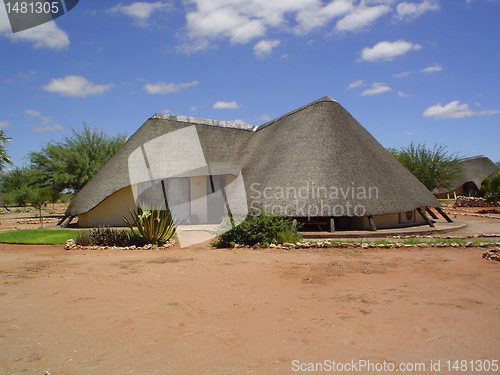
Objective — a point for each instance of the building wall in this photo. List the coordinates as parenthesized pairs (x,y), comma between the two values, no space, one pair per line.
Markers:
(385,221)
(198,186)
(110,212)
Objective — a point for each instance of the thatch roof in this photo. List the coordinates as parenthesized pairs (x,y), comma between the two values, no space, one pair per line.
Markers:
(475,169)
(319,145)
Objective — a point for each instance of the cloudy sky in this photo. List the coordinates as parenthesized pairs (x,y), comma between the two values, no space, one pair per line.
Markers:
(424,71)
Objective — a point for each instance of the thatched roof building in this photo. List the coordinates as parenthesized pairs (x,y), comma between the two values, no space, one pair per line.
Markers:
(475,170)
(316,162)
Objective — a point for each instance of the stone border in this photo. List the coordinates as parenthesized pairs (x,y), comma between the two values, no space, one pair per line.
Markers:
(366,245)
(71,245)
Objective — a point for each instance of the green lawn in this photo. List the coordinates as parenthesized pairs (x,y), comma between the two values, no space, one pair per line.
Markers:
(38,236)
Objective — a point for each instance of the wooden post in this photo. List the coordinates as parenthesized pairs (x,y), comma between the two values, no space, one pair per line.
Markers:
(332,225)
(67,223)
(427,220)
(429,211)
(372,223)
(62,220)
(443,214)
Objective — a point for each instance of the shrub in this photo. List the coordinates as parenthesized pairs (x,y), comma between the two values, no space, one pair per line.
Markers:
(154,224)
(83,238)
(491,189)
(263,229)
(105,237)
(109,237)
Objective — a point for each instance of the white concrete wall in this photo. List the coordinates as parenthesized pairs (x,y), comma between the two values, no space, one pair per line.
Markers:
(110,211)
(388,221)
(198,187)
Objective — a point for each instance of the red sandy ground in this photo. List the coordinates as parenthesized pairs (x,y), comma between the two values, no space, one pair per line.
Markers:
(203,311)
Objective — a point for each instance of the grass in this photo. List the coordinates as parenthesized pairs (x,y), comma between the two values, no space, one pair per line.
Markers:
(38,236)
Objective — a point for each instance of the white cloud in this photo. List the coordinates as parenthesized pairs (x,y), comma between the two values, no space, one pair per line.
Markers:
(20,76)
(226,21)
(400,75)
(455,110)
(46,121)
(410,11)
(140,11)
(241,21)
(409,133)
(75,86)
(199,44)
(377,88)
(265,47)
(432,69)
(226,105)
(166,111)
(240,121)
(319,15)
(403,95)
(4,124)
(35,113)
(47,35)
(388,50)
(164,88)
(356,84)
(32,112)
(192,109)
(362,17)
(264,118)
(48,128)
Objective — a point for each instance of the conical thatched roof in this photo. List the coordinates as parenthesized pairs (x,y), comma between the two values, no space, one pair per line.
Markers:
(317,146)
(475,169)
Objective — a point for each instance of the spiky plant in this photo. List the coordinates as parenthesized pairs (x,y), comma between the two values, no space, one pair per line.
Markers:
(154,224)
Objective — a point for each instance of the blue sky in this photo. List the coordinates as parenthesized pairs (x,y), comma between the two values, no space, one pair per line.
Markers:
(424,71)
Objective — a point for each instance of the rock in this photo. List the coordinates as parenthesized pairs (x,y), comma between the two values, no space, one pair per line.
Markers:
(70,244)
(493,254)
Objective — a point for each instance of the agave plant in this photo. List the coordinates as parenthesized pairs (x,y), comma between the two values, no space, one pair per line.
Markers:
(154,224)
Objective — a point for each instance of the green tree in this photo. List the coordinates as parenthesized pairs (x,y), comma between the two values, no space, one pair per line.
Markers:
(38,196)
(4,158)
(16,186)
(72,162)
(434,167)
(491,189)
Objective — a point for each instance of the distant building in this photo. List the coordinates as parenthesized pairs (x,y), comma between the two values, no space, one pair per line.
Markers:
(475,170)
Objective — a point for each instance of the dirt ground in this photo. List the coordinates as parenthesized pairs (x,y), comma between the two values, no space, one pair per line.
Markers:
(199,310)
(203,311)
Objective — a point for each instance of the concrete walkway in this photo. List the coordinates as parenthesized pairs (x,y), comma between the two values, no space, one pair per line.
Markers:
(422,230)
